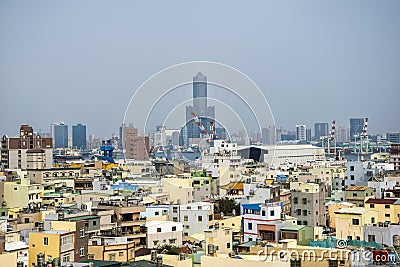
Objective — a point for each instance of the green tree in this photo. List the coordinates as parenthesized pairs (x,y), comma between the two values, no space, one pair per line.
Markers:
(226,206)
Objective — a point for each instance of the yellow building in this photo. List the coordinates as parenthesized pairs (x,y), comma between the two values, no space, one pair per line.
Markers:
(9,260)
(111,248)
(335,206)
(388,209)
(20,194)
(57,244)
(350,221)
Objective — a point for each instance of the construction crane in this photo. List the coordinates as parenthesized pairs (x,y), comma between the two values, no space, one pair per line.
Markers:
(364,137)
(198,121)
(332,137)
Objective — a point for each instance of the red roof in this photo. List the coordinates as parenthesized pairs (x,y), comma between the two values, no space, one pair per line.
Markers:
(380,201)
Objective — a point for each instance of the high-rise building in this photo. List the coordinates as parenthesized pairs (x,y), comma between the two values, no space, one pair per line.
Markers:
(393,137)
(320,129)
(136,146)
(341,135)
(356,127)
(79,136)
(301,132)
(205,113)
(269,135)
(28,151)
(59,133)
(308,134)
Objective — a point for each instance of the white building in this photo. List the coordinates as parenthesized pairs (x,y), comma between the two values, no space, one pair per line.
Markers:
(301,132)
(164,233)
(196,217)
(382,186)
(262,220)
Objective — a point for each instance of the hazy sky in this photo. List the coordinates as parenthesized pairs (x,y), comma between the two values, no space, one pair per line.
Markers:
(81,61)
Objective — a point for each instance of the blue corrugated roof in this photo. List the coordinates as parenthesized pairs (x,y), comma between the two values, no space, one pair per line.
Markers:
(252,206)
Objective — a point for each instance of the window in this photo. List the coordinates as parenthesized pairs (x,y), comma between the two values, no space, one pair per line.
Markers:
(210,217)
(46,241)
(94,223)
(272,213)
(173,228)
(82,251)
(200,218)
(66,258)
(187,226)
(304,212)
(332,263)
(352,168)
(371,238)
(111,257)
(295,200)
(90,256)
(158,230)
(387,206)
(250,226)
(175,219)
(121,253)
(354,194)
(372,220)
(387,215)
(82,232)
(304,201)
(175,209)
(351,177)
(372,205)
(295,263)
(26,220)
(185,218)
(356,222)
(156,213)
(263,212)
(228,245)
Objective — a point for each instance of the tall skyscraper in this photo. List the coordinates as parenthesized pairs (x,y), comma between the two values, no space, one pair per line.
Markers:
(341,135)
(320,129)
(356,126)
(308,134)
(205,113)
(79,136)
(59,133)
(269,135)
(137,146)
(393,137)
(301,132)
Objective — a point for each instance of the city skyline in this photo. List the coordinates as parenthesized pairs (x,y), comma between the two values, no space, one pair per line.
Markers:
(325,62)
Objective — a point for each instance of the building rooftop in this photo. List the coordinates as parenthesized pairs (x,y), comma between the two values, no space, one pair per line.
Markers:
(381,201)
(357,188)
(356,211)
(293,227)
(83,217)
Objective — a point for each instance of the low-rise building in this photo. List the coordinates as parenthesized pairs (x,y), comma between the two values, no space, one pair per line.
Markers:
(57,244)
(164,233)
(308,203)
(262,221)
(111,248)
(388,209)
(196,217)
(358,194)
(350,222)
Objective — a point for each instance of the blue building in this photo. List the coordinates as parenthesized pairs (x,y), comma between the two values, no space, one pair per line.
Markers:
(59,133)
(79,136)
